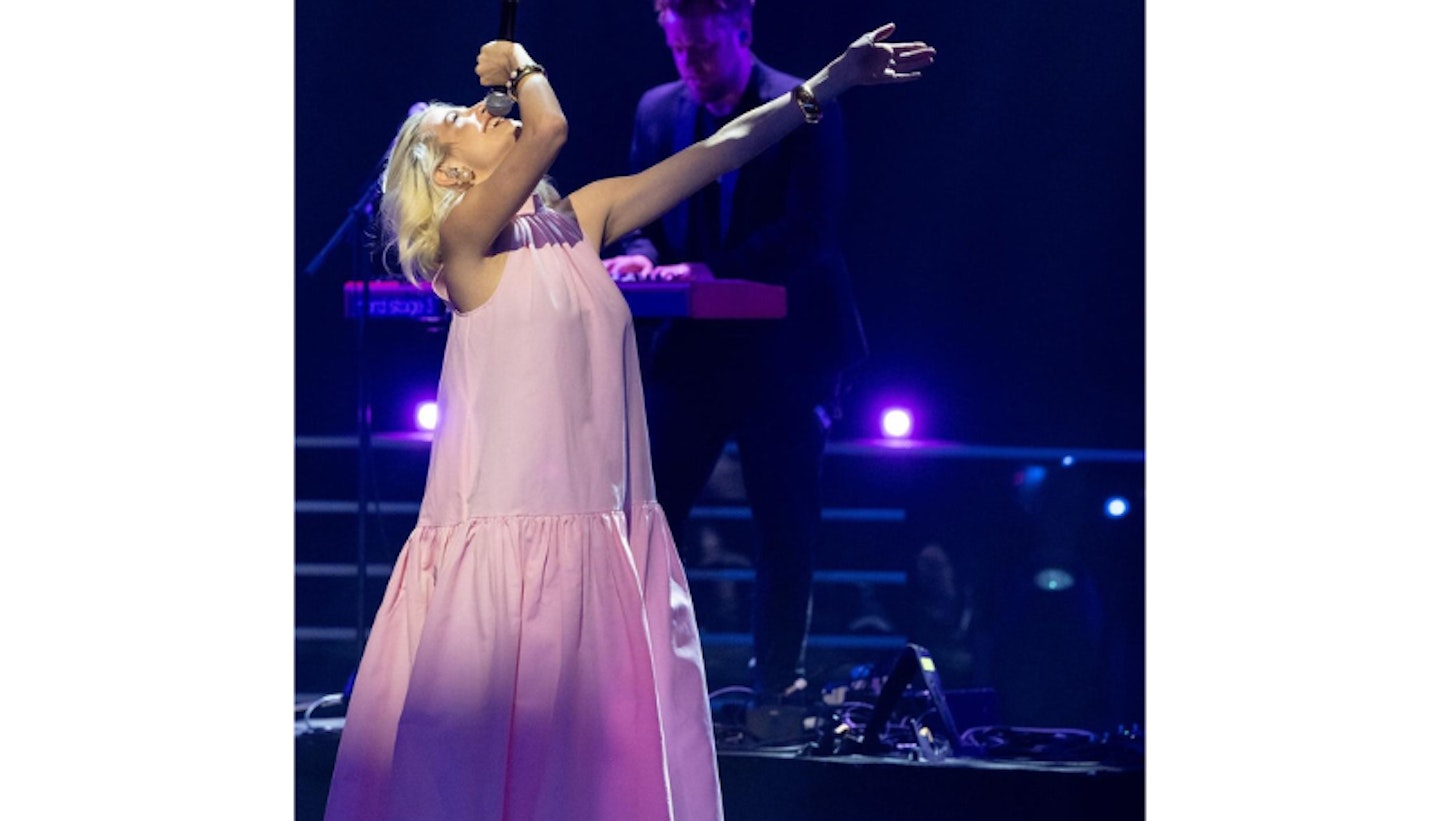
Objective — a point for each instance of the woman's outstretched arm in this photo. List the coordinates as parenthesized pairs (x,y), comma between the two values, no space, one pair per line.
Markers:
(612,207)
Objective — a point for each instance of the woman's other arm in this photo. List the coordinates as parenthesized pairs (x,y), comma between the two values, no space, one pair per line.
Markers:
(613,207)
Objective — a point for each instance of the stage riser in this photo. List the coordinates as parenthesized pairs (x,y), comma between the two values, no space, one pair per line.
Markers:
(1072,657)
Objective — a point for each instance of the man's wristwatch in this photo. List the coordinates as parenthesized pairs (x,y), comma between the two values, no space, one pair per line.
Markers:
(809,106)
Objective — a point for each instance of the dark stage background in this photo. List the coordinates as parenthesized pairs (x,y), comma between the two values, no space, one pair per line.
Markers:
(995,233)
(995,223)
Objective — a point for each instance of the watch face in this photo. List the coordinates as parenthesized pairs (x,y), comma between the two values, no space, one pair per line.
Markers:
(805,99)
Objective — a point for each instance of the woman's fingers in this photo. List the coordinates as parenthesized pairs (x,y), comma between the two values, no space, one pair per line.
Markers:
(870,38)
(905,60)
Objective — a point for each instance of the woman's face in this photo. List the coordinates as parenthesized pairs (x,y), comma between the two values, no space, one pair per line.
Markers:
(473,137)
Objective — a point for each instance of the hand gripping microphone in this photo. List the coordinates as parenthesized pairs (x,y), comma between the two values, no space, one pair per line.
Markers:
(499,102)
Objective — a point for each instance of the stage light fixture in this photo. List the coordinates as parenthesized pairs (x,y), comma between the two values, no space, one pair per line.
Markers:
(1054,579)
(1116,507)
(897,423)
(427,414)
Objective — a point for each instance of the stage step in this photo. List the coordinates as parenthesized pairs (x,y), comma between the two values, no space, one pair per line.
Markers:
(993,516)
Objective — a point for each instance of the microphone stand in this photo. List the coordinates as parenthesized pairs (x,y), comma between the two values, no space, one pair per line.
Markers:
(357,219)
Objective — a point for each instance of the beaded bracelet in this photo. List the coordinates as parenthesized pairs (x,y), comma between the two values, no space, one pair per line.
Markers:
(520,74)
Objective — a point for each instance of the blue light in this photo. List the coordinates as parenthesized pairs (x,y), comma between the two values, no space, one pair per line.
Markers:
(1028,478)
(1116,507)
(1054,579)
(1067,461)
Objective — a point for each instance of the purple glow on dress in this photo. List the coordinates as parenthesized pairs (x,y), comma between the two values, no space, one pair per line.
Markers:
(540,590)
(537,229)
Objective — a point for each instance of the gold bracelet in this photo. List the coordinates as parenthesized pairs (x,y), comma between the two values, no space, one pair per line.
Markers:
(520,74)
(809,106)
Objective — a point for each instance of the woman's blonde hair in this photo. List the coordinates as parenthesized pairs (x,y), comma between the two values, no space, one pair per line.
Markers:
(412,206)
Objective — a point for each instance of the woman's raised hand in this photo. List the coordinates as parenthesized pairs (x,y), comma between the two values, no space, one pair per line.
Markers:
(871,61)
(497,60)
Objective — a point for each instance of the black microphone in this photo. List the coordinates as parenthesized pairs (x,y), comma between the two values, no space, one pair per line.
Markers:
(507,19)
(499,102)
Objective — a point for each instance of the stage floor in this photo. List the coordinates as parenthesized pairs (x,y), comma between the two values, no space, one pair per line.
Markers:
(788,785)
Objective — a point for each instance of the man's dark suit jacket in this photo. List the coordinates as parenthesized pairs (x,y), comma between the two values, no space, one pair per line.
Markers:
(785,209)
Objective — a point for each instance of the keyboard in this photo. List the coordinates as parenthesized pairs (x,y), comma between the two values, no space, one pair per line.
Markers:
(695,299)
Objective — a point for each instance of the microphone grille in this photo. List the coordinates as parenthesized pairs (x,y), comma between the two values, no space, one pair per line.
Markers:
(499,104)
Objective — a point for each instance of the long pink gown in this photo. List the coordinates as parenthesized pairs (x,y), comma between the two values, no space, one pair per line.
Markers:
(535,656)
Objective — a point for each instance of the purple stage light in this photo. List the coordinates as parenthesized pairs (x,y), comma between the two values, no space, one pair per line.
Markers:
(427,414)
(897,423)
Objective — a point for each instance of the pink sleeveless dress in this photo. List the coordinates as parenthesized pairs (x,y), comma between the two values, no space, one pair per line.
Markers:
(535,656)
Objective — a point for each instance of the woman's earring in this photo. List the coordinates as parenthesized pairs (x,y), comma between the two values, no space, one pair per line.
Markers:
(462,177)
